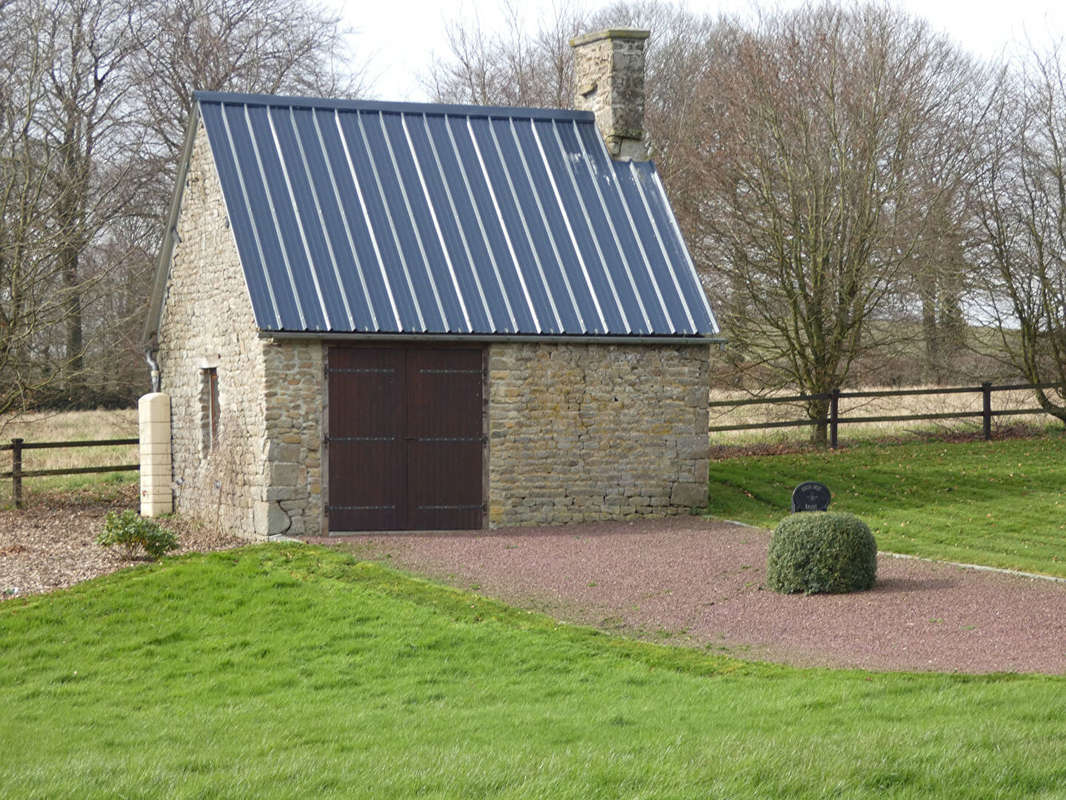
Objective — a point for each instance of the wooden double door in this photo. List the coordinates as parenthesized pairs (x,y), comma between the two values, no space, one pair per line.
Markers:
(405,440)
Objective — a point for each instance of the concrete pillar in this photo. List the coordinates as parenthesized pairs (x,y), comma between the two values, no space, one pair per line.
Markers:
(154,413)
(609,81)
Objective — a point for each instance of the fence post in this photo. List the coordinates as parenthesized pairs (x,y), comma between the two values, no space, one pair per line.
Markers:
(16,472)
(986,409)
(834,416)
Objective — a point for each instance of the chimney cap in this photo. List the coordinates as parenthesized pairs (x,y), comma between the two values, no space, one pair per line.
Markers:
(609,33)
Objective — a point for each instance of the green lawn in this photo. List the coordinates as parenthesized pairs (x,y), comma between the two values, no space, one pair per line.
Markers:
(293,671)
(996,503)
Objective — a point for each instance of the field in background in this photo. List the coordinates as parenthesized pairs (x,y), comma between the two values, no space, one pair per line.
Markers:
(869,407)
(69,426)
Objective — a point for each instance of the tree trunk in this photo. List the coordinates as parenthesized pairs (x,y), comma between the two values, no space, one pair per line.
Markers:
(931,337)
(73,199)
(75,338)
(818,413)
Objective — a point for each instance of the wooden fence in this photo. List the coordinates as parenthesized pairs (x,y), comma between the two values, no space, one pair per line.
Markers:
(832,422)
(17,473)
(834,419)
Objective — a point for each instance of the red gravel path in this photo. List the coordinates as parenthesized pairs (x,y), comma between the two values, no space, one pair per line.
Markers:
(700,582)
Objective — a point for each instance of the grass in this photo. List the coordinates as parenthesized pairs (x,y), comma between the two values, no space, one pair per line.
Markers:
(290,671)
(1000,503)
(69,426)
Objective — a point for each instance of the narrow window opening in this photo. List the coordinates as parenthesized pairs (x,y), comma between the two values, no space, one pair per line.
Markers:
(209,409)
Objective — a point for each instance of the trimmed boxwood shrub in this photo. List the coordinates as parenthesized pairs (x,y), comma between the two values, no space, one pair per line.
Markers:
(822,551)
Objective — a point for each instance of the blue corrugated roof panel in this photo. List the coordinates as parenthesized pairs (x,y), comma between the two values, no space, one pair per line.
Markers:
(430,219)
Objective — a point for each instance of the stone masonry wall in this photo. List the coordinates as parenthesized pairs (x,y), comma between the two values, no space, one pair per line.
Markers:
(262,474)
(295,390)
(586,432)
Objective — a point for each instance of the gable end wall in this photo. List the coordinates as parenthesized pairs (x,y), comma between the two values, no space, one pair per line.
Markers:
(263,476)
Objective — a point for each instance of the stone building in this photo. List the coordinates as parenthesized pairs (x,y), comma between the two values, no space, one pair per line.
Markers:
(373,316)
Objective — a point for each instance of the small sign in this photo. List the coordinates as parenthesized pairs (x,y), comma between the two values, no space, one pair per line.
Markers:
(811,496)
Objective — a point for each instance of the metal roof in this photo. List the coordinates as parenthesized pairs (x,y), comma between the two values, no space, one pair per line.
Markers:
(433,219)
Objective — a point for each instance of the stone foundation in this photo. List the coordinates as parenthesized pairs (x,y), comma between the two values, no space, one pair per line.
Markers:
(295,391)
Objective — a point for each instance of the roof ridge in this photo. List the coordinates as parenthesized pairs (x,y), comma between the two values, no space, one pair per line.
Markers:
(400,107)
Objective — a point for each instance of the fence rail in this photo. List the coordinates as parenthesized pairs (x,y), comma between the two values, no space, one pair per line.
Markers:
(832,421)
(833,418)
(17,473)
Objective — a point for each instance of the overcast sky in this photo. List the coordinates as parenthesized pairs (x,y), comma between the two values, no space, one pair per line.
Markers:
(402,35)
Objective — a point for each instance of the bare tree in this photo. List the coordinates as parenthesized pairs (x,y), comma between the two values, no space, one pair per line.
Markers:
(512,68)
(1020,240)
(57,69)
(94,97)
(256,46)
(25,266)
(817,195)
(938,278)
(87,125)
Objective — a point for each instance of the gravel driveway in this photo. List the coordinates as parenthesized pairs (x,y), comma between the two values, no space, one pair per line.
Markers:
(700,582)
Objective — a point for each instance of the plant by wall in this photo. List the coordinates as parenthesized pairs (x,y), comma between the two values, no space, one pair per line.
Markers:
(136,533)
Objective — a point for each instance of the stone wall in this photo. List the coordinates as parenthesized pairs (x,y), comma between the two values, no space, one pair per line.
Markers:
(586,432)
(293,503)
(259,473)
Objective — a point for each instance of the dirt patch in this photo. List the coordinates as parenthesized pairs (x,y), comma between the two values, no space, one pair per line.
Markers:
(52,543)
(702,583)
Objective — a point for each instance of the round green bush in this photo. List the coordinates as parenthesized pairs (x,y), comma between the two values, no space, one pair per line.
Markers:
(822,551)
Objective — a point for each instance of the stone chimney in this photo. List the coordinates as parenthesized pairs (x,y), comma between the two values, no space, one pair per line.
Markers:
(609,80)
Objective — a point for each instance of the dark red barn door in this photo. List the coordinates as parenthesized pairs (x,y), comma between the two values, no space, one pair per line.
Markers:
(444,439)
(366,439)
(405,438)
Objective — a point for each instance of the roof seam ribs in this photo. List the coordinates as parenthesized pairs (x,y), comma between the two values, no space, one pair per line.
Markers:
(438,220)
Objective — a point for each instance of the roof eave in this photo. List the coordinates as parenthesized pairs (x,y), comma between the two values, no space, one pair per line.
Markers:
(489,338)
(170,235)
